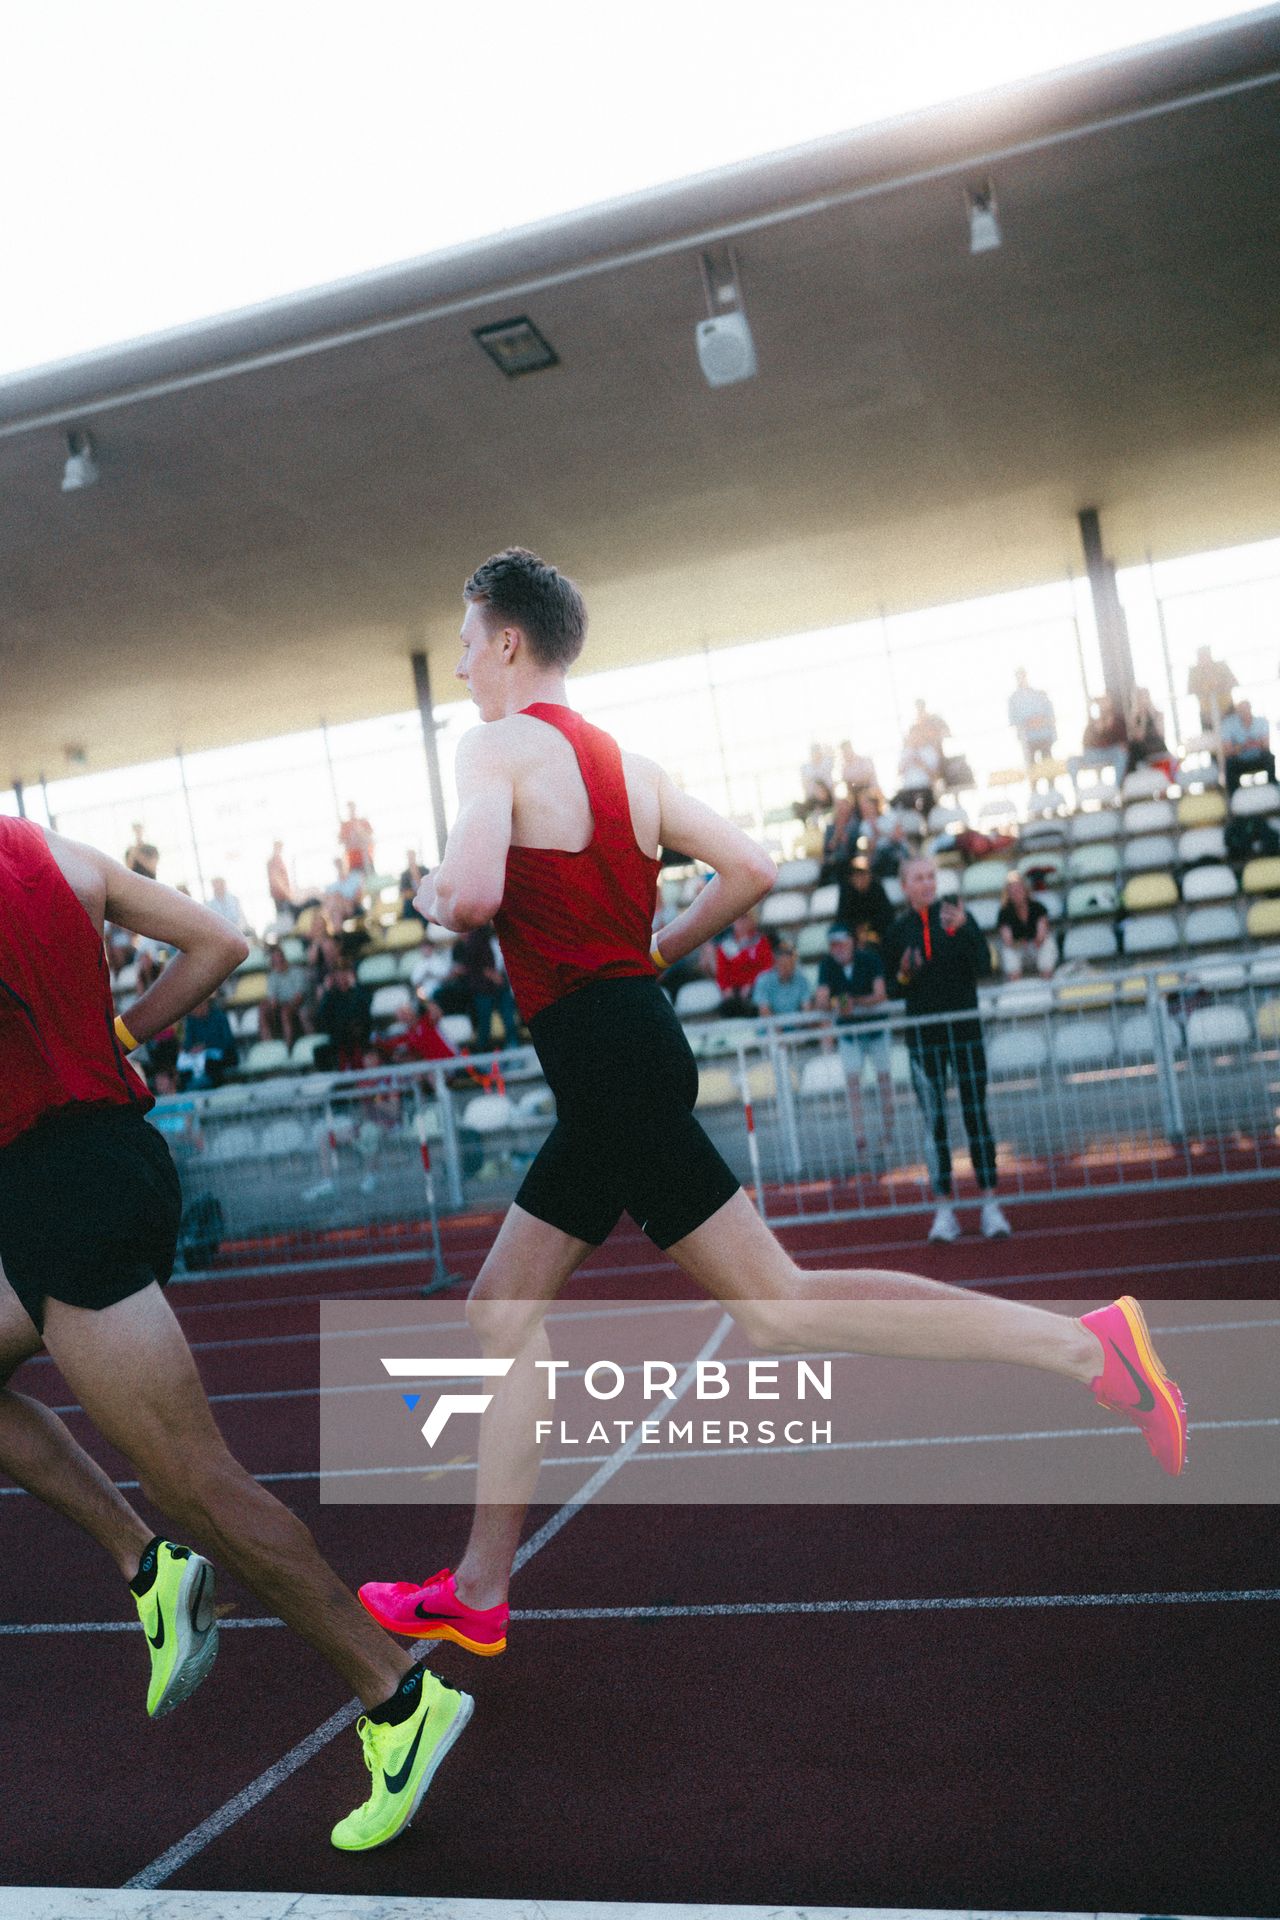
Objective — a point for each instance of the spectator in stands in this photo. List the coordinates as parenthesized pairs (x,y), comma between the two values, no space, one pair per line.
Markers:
(282,1014)
(209,1050)
(279,885)
(742,956)
(817,780)
(934,957)
(1032,718)
(863,904)
(850,977)
(226,906)
(782,988)
(1144,729)
(1105,742)
(141,856)
(921,761)
(410,880)
(840,840)
(856,771)
(1246,741)
(1212,683)
(356,837)
(344,1016)
(345,896)
(487,987)
(430,966)
(1022,926)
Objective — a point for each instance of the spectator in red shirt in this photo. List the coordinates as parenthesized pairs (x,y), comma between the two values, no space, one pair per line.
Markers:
(740,960)
(356,836)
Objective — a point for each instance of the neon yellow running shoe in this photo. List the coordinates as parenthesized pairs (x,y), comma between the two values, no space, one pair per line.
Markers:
(403,1756)
(173,1592)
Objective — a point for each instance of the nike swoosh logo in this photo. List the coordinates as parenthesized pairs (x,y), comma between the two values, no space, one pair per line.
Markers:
(1146,1399)
(157,1640)
(436,1613)
(395,1781)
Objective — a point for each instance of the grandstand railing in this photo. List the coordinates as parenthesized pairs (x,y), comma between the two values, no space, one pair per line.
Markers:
(1103,1084)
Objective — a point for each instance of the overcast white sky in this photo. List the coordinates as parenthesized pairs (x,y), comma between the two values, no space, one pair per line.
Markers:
(168,161)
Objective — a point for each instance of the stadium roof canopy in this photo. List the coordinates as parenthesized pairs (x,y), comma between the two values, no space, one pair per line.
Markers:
(292,496)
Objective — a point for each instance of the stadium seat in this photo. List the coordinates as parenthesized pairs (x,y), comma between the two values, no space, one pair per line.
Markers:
(1051,901)
(457,1029)
(1249,801)
(1269,1020)
(1137,1037)
(798,873)
(408,961)
(718,1087)
(392,1002)
(1206,809)
(1043,868)
(1148,853)
(1209,883)
(984,912)
(1201,843)
(1023,997)
(1086,993)
(1090,898)
(1264,967)
(1096,860)
(1214,1029)
(305,1049)
(822,1074)
(783,909)
(1016,1052)
(1103,824)
(1224,976)
(1084,1042)
(823,902)
(1150,932)
(489,1113)
(1149,816)
(811,942)
(266,1056)
(403,933)
(235,1142)
(243,1022)
(294,950)
(376,969)
(697,997)
(280,1137)
(255,961)
(1144,783)
(893,891)
(1261,876)
(1216,926)
(1094,940)
(247,990)
(1263,922)
(1149,890)
(538,1104)
(126,981)
(948,883)
(1050,832)
(983,878)
(946,817)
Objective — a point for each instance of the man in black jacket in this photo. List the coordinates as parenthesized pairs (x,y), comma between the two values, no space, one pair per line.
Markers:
(934,957)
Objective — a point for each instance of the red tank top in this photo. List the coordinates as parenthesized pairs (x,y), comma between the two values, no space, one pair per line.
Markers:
(57,1024)
(568,918)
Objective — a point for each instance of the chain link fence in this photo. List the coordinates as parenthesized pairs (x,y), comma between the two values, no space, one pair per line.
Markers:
(1099,1085)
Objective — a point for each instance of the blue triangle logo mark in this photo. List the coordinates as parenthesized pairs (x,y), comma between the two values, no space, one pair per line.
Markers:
(411,1400)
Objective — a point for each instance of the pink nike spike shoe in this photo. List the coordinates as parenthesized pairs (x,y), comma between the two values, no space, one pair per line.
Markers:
(1134,1383)
(433,1611)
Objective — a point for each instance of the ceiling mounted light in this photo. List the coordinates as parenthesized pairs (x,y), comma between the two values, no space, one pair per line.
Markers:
(726,351)
(517,347)
(81,469)
(984,227)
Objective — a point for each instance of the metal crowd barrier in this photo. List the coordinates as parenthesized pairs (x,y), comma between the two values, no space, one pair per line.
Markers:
(1097,1086)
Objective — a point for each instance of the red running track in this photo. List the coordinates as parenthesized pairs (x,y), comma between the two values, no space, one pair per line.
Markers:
(1116,1757)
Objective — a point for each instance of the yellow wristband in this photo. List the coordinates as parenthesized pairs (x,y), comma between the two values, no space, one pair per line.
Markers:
(655,954)
(124,1036)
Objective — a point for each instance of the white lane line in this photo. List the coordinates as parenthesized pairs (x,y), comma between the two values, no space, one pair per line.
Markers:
(783,1451)
(755,1609)
(177,1856)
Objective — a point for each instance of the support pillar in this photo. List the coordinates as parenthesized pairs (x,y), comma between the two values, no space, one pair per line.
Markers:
(20,795)
(1113,631)
(431,746)
(202,890)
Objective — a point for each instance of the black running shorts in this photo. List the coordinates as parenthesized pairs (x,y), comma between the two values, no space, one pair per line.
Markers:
(89,1208)
(625,1138)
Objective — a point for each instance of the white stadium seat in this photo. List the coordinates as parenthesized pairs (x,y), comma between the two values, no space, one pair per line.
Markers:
(1051,902)
(893,891)
(1083,1043)
(984,912)
(823,902)
(693,998)
(238,1141)
(1216,926)
(783,909)
(1201,843)
(1102,825)
(1252,800)
(1137,1037)
(1016,1052)
(306,1047)
(281,1137)
(1089,898)
(1211,1029)
(266,1056)
(1149,852)
(983,878)
(457,1029)
(1144,783)
(1224,976)
(825,1073)
(1150,816)
(1149,933)
(798,873)
(1096,860)
(1092,940)
(489,1113)
(1209,883)
(376,969)
(392,1002)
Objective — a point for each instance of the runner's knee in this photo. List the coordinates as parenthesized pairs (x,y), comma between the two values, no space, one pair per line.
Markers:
(503,1328)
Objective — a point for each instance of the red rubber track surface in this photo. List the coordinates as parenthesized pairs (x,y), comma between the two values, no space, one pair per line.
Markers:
(1116,1758)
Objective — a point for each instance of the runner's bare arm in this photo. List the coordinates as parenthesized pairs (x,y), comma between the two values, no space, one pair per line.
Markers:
(208,949)
(470,879)
(743,872)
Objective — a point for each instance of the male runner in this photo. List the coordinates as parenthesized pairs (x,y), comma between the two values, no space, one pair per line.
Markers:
(89,1211)
(557,839)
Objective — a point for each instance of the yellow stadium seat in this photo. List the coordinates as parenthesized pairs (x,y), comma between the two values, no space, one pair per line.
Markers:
(1269,1020)
(1089,993)
(402,933)
(1264,920)
(1134,985)
(1147,891)
(1202,809)
(248,990)
(1261,876)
